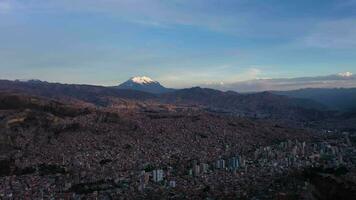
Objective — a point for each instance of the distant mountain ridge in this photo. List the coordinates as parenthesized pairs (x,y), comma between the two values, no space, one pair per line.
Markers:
(145,84)
(97,95)
(340,80)
(343,99)
(261,105)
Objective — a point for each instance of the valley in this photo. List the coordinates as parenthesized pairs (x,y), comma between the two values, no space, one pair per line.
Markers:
(81,141)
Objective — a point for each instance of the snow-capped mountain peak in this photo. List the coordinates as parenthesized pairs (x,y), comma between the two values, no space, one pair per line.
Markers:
(345,74)
(142,80)
(144,83)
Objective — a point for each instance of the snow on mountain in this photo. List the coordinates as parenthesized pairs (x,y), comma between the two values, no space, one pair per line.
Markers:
(345,74)
(142,80)
(145,84)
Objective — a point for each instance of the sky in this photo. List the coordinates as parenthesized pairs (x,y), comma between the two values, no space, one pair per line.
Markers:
(179,43)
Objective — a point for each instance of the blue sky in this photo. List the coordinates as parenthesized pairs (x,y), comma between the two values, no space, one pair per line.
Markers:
(177,42)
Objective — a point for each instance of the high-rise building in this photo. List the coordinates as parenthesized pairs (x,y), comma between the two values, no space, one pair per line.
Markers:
(144,178)
(233,163)
(303,148)
(172,184)
(157,175)
(295,150)
(196,170)
(220,164)
(190,172)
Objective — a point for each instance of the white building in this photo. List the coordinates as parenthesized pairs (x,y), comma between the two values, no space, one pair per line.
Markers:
(157,175)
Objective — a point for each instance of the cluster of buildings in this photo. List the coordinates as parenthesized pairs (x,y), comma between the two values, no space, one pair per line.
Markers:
(232,164)
(191,156)
(274,160)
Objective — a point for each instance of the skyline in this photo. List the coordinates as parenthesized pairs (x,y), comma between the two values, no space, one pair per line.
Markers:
(179,43)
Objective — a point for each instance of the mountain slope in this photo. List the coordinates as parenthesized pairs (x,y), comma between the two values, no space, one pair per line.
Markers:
(97,95)
(144,84)
(343,99)
(263,104)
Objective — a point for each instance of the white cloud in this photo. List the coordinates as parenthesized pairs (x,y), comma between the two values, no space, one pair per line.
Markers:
(245,74)
(345,80)
(253,73)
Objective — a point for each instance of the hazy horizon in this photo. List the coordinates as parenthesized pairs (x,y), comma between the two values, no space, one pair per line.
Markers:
(340,80)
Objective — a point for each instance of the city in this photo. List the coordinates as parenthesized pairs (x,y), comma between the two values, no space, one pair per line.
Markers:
(177,99)
(180,153)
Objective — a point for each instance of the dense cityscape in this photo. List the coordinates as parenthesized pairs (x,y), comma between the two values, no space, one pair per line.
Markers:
(177,100)
(166,152)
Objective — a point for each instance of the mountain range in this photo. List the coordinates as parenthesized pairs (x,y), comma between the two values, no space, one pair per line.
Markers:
(333,91)
(261,105)
(137,91)
(340,80)
(343,99)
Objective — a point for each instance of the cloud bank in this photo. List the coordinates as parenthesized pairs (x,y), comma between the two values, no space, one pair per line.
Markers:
(341,80)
